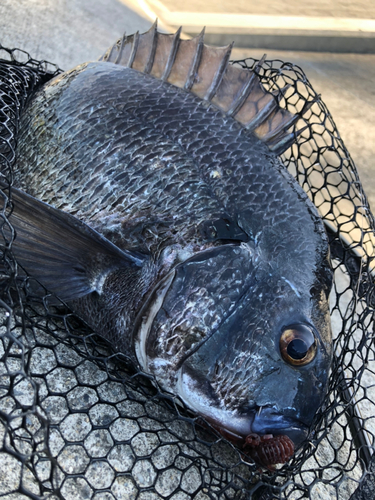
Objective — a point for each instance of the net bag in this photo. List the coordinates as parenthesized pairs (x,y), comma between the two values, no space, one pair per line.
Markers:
(78,421)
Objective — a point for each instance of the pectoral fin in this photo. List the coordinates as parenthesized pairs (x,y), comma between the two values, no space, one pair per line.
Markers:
(64,254)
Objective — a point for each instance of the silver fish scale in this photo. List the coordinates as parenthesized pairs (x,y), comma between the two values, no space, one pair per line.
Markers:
(164,165)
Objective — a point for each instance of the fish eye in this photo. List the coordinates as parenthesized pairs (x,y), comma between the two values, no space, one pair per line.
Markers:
(298,345)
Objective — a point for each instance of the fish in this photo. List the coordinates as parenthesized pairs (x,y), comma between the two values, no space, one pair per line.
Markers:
(149,196)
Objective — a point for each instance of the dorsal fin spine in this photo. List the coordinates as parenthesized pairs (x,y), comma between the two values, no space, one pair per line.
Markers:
(285,141)
(219,74)
(274,134)
(260,63)
(262,115)
(277,139)
(308,104)
(109,53)
(246,90)
(196,61)
(281,92)
(172,55)
(154,42)
(118,58)
(134,49)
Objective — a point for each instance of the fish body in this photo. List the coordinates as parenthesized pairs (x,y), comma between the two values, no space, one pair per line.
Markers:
(178,234)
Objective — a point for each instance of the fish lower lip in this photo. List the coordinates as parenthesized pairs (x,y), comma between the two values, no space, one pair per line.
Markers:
(267,421)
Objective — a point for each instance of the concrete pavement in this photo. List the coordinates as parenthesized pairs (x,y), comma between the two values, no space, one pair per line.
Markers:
(66,32)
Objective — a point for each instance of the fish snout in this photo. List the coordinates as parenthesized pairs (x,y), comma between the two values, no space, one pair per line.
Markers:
(232,424)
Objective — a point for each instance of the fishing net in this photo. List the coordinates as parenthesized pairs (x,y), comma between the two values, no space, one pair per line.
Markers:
(76,419)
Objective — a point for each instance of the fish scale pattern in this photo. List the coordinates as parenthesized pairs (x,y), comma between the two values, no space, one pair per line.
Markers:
(141,160)
(76,419)
(187,181)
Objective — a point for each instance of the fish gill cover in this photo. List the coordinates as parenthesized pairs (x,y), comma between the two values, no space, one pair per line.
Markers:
(76,418)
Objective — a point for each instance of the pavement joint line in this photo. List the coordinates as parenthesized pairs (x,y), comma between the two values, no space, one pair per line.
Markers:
(269,22)
(144,10)
(156,8)
(159,5)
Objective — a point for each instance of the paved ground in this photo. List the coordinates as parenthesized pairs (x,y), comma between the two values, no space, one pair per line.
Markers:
(66,32)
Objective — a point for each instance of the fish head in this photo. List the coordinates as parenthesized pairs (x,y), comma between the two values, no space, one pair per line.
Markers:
(265,370)
(246,348)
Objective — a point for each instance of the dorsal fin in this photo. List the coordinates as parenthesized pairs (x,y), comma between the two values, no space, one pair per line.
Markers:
(204,71)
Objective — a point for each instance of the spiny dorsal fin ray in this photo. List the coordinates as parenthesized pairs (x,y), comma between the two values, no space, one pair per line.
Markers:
(204,71)
(174,43)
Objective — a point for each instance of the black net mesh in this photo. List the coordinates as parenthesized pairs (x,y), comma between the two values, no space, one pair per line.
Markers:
(76,420)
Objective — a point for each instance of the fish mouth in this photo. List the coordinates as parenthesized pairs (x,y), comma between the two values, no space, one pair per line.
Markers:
(272,423)
(234,425)
(267,420)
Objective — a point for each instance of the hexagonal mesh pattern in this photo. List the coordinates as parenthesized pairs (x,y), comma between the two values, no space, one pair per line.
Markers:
(76,420)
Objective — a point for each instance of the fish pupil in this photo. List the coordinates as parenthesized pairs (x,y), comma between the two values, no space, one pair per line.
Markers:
(297,349)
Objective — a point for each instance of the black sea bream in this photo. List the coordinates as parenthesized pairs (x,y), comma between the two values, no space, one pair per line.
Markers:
(168,223)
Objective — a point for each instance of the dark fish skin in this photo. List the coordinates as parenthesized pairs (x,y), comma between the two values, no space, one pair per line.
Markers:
(150,167)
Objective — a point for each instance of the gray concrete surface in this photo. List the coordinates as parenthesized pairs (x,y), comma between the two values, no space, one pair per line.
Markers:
(66,32)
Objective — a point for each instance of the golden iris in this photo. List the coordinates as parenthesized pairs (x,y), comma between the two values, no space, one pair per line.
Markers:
(298,345)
